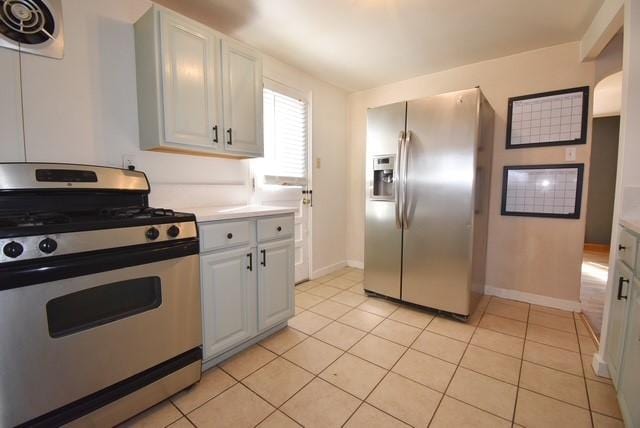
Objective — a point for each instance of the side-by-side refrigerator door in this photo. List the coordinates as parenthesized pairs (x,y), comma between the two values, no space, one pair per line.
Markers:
(440,171)
(383,229)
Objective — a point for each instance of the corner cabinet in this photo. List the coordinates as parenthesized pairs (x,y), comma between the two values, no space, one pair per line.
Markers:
(198,91)
(247,279)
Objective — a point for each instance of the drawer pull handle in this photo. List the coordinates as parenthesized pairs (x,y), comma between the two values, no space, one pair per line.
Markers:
(264,258)
(621,282)
(250,267)
(622,248)
(279,228)
(229,235)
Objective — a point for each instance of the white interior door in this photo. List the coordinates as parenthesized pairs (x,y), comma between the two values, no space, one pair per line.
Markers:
(283,175)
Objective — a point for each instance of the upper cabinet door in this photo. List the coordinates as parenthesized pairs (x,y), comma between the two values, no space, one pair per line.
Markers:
(189,82)
(242,97)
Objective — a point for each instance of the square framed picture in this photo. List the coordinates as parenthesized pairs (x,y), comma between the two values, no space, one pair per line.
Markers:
(556,118)
(542,190)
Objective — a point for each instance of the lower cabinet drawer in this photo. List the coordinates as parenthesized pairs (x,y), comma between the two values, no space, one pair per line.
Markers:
(275,228)
(227,234)
(627,247)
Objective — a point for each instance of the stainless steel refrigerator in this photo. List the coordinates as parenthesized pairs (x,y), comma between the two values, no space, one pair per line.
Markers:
(428,170)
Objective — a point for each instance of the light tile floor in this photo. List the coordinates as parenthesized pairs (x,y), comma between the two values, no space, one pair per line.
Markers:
(354,361)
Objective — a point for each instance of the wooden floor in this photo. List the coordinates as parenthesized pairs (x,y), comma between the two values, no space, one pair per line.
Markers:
(595,270)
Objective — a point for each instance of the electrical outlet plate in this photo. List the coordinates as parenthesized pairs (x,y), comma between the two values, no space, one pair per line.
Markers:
(128,161)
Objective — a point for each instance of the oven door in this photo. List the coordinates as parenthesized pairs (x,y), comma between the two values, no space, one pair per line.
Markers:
(63,340)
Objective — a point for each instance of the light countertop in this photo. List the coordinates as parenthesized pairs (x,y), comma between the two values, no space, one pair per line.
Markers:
(204,214)
(632,224)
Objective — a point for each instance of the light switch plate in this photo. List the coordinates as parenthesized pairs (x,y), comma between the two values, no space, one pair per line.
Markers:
(570,154)
(318,163)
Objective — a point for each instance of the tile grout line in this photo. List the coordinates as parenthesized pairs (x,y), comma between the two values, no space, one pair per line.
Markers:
(389,370)
(343,353)
(524,344)
(346,351)
(370,332)
(444,394)
(314,376)
(584,377)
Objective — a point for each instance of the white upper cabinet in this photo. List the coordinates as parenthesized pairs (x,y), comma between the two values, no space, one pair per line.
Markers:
(242,95)
(198,92)
(190,82)
(12,147)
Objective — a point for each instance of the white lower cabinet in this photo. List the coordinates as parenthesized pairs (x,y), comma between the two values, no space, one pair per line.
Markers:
(618,318)
(629,383)
(246,289)
(623,337)
(275,279)
(228,299)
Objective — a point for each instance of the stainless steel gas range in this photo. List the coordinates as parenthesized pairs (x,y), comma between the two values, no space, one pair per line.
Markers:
(100,313)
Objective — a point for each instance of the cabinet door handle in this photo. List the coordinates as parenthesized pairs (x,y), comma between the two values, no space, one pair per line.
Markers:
(215,133)
(279,228)
(621,282)
(250,267)
(230,132)
(264,258)
(621,247)
(229,235)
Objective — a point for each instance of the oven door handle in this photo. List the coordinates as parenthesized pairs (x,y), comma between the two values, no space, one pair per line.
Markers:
(43,270)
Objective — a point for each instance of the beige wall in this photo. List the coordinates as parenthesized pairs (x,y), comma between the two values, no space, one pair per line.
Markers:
(532,255)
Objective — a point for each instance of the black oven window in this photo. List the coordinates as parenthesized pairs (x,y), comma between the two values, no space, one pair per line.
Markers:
(100,305)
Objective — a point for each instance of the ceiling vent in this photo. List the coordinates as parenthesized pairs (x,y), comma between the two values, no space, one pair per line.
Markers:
(32,26)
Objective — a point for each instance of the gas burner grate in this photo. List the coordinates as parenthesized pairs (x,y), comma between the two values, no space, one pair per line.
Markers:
(28,22)
(34,219)
(136,212)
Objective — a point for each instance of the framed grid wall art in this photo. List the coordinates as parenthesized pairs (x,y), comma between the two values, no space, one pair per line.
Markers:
(542,190)
(556,118)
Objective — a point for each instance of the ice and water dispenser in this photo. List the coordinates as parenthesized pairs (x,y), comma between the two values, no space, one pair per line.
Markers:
(383,178)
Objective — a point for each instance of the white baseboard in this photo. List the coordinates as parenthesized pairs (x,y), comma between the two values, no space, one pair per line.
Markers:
(355,264)
(600,366)
(536,299)
(327,269)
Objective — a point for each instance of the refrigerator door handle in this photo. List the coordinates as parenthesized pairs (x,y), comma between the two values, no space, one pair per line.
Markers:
(405,166)
(396,180)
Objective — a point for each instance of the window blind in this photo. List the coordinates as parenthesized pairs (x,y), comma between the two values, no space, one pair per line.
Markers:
(285,139)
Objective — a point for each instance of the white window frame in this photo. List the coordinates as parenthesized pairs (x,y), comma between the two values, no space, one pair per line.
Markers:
(281,88)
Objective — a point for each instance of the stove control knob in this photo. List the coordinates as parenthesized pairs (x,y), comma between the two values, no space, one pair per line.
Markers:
(173,231)
(12,249)
(48,245)
(152,233)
